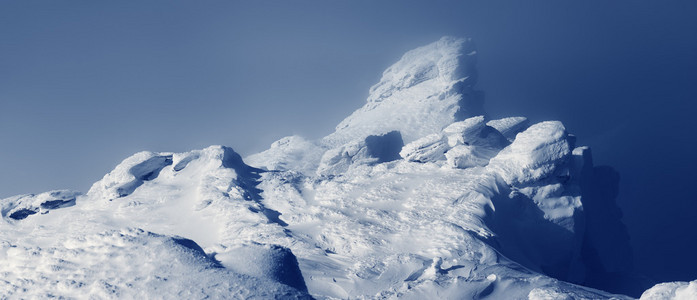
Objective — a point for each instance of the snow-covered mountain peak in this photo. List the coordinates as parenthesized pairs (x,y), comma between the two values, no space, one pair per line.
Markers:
(446,60)
(417,195)
(426,90)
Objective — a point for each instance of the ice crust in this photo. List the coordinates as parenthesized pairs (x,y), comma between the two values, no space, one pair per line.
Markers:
(417,195)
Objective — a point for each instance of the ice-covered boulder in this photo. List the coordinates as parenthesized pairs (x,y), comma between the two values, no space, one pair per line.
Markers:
(538,152)
(538,165)
(465,132)
(428,88)
(22,206)
(463,144)
(540,202)
(144,167)
(130,174)
(371,150)
(426,149)
(467,156)
(510,126)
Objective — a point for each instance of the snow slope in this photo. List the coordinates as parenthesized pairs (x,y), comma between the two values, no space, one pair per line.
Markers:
(416,195)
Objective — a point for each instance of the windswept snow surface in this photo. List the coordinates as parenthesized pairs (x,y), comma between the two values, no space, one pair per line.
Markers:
(416,195)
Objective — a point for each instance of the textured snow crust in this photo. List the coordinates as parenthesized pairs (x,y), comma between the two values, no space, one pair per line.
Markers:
(415,196)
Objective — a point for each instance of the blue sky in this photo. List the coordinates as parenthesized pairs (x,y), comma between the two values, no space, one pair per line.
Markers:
(84,84)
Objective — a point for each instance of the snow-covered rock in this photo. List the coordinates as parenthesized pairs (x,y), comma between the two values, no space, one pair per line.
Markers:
(130,174)
(369,151)
(463,144)
(536,153)
(430,148)
(509,127)
(23,206)
(540,184)
(466,156)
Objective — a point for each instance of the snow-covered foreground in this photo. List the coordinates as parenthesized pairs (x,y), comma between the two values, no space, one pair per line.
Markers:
(416,195)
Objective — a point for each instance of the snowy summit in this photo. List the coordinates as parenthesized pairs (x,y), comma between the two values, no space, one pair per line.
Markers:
(416,195)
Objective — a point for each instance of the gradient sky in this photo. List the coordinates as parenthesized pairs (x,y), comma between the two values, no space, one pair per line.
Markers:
(85,84)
